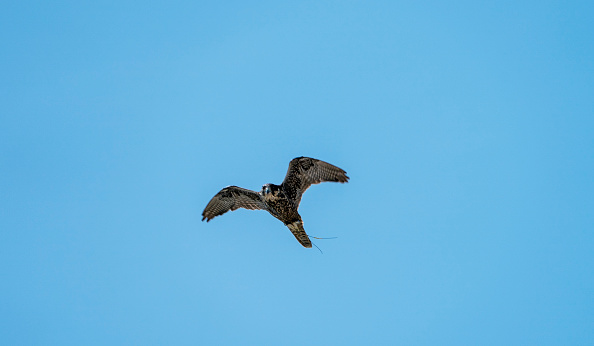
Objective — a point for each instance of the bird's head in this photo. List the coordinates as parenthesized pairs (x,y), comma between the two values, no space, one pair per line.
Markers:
(269,190)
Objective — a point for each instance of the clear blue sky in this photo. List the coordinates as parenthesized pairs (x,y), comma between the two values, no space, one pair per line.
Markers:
(467,130)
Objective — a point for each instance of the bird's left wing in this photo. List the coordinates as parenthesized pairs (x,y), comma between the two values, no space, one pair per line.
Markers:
(232,198)
(305,171)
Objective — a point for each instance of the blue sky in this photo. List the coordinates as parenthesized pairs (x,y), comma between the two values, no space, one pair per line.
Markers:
(467,130)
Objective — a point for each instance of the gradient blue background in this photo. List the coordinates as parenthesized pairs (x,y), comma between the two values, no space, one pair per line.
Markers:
(467,130)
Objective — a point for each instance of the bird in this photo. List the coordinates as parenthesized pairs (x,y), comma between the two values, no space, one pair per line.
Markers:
(281,201)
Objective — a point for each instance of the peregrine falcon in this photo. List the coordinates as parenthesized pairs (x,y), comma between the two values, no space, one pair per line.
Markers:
(281,201)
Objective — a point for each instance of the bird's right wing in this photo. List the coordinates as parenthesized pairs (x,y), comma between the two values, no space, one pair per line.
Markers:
(232,198)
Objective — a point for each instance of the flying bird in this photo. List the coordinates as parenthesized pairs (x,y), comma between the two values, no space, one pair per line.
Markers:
(281,201)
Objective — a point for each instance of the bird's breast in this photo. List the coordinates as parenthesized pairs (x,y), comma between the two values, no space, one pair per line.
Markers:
(285,209)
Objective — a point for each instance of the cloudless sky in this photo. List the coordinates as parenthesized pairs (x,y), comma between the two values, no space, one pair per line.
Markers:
(467,129)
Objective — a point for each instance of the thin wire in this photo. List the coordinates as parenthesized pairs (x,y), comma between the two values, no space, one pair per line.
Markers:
(314,244)
(311,236)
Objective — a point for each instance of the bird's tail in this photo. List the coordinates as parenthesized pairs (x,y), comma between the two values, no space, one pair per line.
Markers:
(299,233)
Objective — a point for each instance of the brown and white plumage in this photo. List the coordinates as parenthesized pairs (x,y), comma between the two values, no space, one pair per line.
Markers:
(281,201)
(305,171)
(232,198)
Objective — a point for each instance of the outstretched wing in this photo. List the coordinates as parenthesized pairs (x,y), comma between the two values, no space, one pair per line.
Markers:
(305,171)
(232,198)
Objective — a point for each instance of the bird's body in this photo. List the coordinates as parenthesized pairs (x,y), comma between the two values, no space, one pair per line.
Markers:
(281,201)
(279,205)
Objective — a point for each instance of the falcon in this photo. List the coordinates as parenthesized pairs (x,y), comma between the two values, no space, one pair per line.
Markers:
(281,201)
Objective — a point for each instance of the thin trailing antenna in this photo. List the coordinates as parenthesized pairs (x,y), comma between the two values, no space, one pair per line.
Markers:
(314,244)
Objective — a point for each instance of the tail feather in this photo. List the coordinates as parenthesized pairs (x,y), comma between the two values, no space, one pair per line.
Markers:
(299,233)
